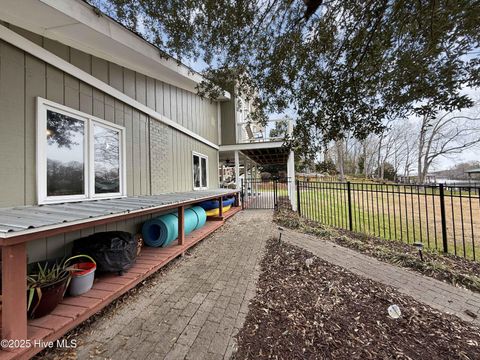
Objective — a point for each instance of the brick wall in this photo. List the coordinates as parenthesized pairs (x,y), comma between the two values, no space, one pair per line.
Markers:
(161,151)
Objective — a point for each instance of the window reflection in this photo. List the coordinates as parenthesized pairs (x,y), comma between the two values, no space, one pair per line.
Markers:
(204,172)
(196,171)
(65,155)
(107,160)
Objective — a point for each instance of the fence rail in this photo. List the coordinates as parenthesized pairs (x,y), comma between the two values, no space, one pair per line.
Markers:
(265,194)
(440,217)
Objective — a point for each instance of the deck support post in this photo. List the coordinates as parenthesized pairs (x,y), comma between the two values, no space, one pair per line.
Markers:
(237,170)
(291,180)
(14,292)
(237,200)
(181,225)
(220,207)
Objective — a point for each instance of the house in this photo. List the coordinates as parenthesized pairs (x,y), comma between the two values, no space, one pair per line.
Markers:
(100,131)
(246,146)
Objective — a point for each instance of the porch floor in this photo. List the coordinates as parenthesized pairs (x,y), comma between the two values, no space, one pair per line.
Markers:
(74,310)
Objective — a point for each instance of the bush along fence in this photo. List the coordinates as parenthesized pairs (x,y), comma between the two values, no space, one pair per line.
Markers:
(441,217)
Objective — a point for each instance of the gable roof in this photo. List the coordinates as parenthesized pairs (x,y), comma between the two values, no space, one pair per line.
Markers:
(76,24)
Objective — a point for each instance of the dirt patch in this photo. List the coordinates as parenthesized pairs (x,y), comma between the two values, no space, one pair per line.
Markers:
(445,267)
(306,308)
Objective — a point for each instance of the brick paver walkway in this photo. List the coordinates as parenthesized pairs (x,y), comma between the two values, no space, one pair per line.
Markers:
(437,294)
(195,308)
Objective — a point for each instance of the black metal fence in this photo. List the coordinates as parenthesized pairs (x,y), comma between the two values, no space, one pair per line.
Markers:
(265,194)
(441,217)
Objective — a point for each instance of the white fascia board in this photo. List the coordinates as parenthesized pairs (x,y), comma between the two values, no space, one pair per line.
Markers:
(39,52)
(252,146)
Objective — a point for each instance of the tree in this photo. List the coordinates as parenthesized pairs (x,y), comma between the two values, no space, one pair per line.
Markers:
(389,172)
(445,135)
(343,66)
(326,167)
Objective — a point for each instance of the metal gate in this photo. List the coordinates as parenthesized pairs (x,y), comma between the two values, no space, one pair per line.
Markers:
(265,194)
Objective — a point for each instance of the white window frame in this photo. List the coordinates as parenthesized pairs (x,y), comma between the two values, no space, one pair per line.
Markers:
(200,156)
(88,147)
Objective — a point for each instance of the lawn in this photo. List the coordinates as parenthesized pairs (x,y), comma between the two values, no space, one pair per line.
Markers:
(407,215)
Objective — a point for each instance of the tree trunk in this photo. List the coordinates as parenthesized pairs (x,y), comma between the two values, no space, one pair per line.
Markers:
(421,146)
(340,158)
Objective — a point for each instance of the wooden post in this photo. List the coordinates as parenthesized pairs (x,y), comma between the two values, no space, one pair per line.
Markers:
(181,225)
(237,201)
(220,207)
(14,292)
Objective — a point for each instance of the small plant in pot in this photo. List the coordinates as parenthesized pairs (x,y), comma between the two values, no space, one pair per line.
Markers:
(46,286)
(83,274)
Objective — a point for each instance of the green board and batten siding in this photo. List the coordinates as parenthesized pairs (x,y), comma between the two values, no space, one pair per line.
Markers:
(158,157)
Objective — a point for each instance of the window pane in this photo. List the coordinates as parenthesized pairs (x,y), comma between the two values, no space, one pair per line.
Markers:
(204,172)
(196,171)
(65,155)
(107,160)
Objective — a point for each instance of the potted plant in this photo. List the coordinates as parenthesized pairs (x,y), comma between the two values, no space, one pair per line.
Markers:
(82,273)
(46,286)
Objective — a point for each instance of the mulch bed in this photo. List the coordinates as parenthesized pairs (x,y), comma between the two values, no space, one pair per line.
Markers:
(306,308)
(445,267)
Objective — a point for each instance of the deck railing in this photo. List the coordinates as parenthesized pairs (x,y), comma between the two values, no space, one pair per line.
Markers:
(441,217)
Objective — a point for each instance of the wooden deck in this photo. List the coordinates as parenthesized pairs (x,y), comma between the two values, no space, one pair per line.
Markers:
(74,310)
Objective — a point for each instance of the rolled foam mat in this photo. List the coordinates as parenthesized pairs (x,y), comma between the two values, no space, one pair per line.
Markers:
(163,230)
(201,215)
(215,212)
(160,231)
(214,204)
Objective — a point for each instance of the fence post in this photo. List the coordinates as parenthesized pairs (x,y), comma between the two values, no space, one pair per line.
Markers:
(299,206)
(242,195)
(349,196)
(443,218)
(275,196)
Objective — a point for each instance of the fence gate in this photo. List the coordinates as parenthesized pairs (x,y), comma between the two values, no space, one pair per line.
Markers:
(265,194)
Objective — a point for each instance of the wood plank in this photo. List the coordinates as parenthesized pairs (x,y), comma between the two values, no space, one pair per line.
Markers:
(141,88)
(51,322)
(12,125)
(100,69)
(81,60)
(147,261)
(34,86)
(98,294)
(116,76)
(68,311)
(81,301)
(14,289)
(107,286)
(115,279)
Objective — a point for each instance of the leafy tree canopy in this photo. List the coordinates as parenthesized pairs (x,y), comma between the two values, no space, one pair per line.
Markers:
(342,65)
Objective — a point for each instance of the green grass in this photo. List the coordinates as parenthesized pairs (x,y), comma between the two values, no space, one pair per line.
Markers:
(400,217)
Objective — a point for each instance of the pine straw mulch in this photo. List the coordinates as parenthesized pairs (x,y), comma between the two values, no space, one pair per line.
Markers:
(306,308)
(445,267)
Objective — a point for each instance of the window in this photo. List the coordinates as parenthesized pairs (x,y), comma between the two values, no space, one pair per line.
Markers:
(79,157)
(200,172)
